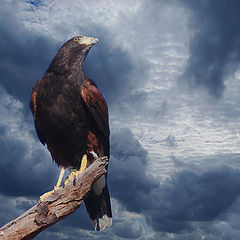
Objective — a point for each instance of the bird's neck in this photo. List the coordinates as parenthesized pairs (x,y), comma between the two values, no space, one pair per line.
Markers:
(76,72)
(62,65)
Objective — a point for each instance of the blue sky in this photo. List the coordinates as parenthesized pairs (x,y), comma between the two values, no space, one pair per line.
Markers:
(170,73)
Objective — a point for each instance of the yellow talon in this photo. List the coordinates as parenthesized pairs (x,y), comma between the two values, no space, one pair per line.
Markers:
(70,177)
(46,195)
(73,174)
(83,163)
(56,188)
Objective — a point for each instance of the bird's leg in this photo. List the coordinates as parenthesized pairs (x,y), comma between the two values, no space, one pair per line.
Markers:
(74,173)
(47,194)
(60,179)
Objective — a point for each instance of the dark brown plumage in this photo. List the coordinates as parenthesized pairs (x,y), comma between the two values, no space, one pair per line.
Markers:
(71,118)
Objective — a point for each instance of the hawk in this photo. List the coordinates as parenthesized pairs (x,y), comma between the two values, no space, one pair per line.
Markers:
(71,118)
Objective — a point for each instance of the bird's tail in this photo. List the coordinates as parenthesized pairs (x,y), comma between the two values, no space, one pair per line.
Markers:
(99,207)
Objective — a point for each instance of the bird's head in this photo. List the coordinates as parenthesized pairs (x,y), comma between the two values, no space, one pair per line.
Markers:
(72,53)
(85,41)
(79,45)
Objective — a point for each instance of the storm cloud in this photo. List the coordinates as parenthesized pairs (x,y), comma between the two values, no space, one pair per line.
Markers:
(189,195)
(23,160)
(23,55)
(214,47)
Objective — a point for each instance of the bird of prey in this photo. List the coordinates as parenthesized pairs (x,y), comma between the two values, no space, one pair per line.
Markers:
(71,118)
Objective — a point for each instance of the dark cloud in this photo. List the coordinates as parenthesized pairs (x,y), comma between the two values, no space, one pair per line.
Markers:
(24,174)
(189,196)
(215,45)
(8,211)
(26,169)
(24,55)
(129,182)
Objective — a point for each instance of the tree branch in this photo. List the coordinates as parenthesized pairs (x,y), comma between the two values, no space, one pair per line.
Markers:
(56,207)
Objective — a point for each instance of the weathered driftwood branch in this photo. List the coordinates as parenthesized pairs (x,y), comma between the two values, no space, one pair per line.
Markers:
(56,207)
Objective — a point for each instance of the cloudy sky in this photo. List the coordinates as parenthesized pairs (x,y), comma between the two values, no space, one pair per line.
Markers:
(170,73)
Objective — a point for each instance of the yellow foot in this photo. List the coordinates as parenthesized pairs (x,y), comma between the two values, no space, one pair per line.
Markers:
(73,174)
(83,163)
(47,194)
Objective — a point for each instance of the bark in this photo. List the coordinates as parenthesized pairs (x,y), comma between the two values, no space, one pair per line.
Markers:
(56,207)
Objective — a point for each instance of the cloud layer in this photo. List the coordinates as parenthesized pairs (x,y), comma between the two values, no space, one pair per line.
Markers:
(174,167)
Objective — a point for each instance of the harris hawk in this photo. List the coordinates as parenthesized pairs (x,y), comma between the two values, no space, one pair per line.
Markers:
(71,118)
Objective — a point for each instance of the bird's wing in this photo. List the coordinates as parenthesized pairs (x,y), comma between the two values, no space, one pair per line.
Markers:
(33,106)
(40,135)
(97,106)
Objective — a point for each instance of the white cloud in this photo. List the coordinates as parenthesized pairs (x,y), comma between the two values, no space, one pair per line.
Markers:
(62,20)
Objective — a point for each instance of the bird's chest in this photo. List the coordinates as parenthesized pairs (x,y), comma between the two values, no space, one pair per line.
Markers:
(61,106)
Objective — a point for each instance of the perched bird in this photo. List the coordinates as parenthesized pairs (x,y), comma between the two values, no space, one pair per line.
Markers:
(71,118)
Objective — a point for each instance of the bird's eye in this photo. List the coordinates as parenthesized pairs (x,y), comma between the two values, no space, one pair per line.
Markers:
(77,39)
